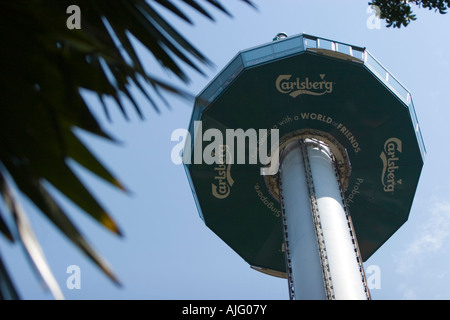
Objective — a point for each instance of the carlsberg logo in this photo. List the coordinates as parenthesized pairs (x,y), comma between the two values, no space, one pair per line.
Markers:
(223,181)
(295,87)
(390,157)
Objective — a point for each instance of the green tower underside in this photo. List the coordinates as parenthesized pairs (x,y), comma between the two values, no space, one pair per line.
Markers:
(308,85)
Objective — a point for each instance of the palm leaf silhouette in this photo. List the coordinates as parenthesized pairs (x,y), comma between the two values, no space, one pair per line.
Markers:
(45,66)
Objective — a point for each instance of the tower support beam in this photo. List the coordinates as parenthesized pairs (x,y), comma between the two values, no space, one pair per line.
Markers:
(322,255)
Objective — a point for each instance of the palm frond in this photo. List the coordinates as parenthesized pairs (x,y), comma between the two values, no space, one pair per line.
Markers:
(7,288)
(45,68)
(29,240)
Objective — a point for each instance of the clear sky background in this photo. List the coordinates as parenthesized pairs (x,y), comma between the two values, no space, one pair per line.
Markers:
(168,253)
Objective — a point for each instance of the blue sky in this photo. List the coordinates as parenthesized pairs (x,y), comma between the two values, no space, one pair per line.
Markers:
(168,253)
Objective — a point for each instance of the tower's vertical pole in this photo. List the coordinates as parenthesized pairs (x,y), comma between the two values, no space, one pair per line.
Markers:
(323,261)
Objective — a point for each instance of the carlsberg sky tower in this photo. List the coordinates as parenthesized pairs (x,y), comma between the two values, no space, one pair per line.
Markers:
(343,168)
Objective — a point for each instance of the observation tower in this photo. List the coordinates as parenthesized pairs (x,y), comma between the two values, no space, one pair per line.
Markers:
(343,171)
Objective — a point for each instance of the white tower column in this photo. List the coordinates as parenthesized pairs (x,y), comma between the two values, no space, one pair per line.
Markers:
(322,256)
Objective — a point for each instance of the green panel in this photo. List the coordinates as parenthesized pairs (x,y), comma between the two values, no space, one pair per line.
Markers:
(308,90)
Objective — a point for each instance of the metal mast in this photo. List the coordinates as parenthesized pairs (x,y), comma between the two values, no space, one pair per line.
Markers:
(322,256)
